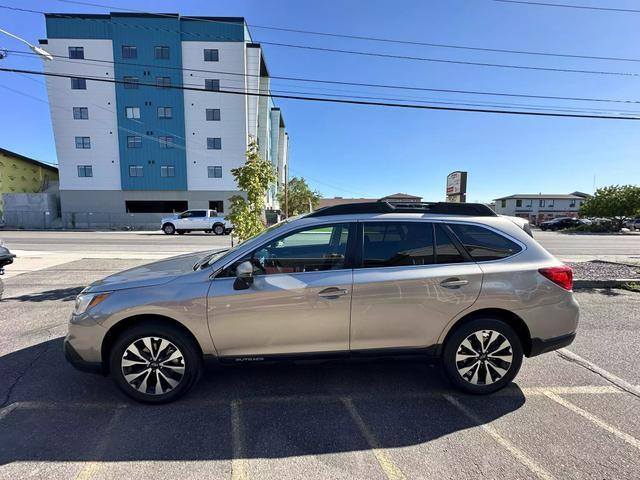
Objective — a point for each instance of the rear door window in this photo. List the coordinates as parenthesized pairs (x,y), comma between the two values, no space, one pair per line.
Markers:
(446,250)
(393,244)
(484,244)
(199,213)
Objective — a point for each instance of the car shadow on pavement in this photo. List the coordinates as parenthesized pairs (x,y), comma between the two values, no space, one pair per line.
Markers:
(65,294)
(50,412)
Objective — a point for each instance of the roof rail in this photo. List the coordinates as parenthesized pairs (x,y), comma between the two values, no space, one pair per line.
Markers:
(443,208)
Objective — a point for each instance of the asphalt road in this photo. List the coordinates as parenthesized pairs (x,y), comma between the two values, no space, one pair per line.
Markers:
(374,420)
(560,244)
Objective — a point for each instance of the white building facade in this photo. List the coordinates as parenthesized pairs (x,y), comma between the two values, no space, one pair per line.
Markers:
(165,136)
(538,208)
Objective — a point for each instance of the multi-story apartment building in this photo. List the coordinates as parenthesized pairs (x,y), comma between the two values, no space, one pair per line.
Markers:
(141,145)
(540,207)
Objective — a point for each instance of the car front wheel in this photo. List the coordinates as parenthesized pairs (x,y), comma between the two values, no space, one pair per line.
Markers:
(218,229)
(482,356)
(155,362)
(169,229)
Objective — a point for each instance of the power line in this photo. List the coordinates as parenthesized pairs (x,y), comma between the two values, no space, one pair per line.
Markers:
(335,100)
(338,82)
(380,39)
(564,5)
(382,55)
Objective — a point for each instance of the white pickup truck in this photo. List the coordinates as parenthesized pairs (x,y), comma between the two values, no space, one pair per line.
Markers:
(198,219)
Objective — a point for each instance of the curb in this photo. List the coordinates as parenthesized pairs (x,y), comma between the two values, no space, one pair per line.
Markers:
(612,283)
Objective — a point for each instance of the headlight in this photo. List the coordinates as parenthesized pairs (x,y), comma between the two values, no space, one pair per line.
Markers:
(86,301)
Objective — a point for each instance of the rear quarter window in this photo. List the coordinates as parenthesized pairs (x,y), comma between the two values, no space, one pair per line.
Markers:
(484,244)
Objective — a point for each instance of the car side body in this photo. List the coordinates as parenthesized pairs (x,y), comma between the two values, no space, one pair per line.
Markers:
(356,309)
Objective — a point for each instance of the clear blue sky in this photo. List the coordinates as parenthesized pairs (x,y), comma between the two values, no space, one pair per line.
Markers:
(346,150)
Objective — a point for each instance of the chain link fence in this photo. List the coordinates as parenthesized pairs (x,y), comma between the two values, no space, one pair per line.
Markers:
(83,220)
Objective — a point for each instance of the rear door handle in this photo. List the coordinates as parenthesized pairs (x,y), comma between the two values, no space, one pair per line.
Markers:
(454,283)
(332,292)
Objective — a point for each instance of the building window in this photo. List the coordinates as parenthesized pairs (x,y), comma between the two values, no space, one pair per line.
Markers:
(217,205)
(134,142)
(213,114)
(527,202)
(83,142)
(162,53)
(214,143)
(129,51)
(168,171)
(163,82)
(518,203)
(132,112)
(503,203)
(76,52)
(550,204)
(165,112)
(130,82)
(213,85)
(165,142)
(541,203)
(572,203)
(211,55)
(85,171)
(214,172)
(78,83)
(135,170)
(80,113)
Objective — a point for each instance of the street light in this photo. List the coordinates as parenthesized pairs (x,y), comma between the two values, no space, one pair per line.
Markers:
(42,53)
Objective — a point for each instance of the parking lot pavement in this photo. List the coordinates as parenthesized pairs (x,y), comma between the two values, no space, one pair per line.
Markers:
(386,419)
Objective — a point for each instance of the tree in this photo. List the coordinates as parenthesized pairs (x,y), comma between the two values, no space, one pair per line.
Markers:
(614,202)
(300,197)
(253,178)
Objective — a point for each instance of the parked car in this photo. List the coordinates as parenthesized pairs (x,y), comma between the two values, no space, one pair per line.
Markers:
(196,220)
(6,258)
(632,223)
(560,223)
(451,281)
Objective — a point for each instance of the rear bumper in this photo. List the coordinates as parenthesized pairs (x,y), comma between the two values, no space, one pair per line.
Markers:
(78,362)
(539,345)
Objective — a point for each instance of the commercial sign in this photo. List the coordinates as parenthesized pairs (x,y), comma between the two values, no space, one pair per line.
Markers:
(457,187)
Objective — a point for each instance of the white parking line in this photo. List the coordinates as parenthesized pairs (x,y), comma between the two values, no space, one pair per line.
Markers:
(583,362)
(512,449)
(8,409)
(384,460)
(90,469)
(238,462)
(634,442)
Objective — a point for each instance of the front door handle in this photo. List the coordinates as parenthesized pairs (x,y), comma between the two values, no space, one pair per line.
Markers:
(454,283)
(332,292)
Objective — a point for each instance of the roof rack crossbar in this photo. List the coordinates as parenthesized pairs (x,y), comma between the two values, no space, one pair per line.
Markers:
(383,206)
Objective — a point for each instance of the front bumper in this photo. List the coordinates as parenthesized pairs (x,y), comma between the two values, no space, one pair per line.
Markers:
(539,346)
(78,362)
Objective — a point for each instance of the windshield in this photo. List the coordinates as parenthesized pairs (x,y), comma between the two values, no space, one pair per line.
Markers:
(215,256)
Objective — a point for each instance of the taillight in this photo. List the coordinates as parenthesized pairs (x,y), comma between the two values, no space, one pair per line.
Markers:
(562,276)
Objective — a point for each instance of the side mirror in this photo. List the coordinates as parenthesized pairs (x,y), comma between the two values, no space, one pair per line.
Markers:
(244,276)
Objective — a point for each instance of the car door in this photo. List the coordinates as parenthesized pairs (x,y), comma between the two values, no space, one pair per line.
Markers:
(410,281)
(197,220)
(182,222)
(299,300)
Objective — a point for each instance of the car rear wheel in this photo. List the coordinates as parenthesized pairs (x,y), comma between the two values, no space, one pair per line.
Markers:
(218,229)
(155,363)
(482,356)
(169,229)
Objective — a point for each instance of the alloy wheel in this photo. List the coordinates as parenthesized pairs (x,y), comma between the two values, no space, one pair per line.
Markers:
(484,357)
(153,365)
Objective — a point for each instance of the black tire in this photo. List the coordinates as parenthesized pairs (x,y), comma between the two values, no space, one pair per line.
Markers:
(544,229)
(191,361)
(168,229)
(180,232)
(218,229)
(453,368)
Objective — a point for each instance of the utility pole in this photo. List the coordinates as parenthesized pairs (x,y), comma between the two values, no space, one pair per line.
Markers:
(286,190)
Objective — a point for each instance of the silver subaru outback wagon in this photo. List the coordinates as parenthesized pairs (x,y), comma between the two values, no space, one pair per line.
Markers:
(451,281)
